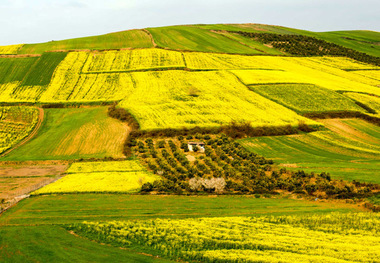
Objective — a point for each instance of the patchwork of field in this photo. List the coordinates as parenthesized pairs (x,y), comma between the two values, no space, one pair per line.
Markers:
(304,238)
(199,99)
(74,133)
(348,150)
(214,92)
(117,177)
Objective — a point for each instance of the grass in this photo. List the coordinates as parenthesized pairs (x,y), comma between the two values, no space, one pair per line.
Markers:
(15,69)
(67,209)
(74,133)
(197,39)
(124,177)
(350,150)
(55,244)
(306,98)
(117,40)
(43,70)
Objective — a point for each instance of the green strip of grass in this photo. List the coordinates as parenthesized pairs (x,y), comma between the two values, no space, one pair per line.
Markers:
(55,244)
(66,209)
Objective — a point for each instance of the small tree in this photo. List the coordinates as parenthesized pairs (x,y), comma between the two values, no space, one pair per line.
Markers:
(195,148)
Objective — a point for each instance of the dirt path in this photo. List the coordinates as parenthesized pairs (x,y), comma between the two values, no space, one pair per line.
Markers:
(30,136)
(151,37)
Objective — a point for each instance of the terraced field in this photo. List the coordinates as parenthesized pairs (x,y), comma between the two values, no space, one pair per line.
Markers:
(348,150)
(72,134)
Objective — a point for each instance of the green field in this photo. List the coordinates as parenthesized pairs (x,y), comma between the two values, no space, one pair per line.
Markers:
(15,69)
(197,39)
(67,209)
(55,244)
(74,133)
(31,231)
(349,150)
(123,39)
(306,98)
(43,70)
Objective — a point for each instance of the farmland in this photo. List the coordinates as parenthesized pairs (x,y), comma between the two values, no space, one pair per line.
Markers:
(306,98)
(350,150)
(199,99)
(124,177)
(117,40)
(327,238)
(199,143)
(72,134)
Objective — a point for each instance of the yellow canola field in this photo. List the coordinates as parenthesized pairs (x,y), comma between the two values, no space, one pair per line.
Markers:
(10,49)
(335,237)
(179,99)
(126,60)
(68,84)
(342,63)
(372,101)
(101,177)
(254,77)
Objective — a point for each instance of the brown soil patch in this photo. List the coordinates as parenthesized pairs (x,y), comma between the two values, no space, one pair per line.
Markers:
(23,179)
(336,125)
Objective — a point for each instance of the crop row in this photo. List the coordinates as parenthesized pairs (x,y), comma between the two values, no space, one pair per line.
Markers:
(303,238)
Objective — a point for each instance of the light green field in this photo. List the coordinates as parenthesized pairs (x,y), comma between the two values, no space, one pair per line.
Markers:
(75,208)
(31,231)
(74,133)
(197,39)
(123,39)
(55,244)
(99,177)
(306,98)
(349,150)
(15,69)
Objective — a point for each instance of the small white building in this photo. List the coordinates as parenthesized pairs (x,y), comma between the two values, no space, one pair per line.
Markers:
(200,145)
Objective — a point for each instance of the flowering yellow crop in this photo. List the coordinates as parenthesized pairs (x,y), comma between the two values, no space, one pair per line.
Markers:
(372,101)
(69,85)
(123,176)
(335,237)
(254,77)
(179,99)
(126,60)
(10,50)
(15,124)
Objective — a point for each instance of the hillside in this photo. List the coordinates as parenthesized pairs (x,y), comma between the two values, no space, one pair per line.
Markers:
(174,142)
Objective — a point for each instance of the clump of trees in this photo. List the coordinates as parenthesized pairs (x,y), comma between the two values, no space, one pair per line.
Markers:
(300,45)
(227,167)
